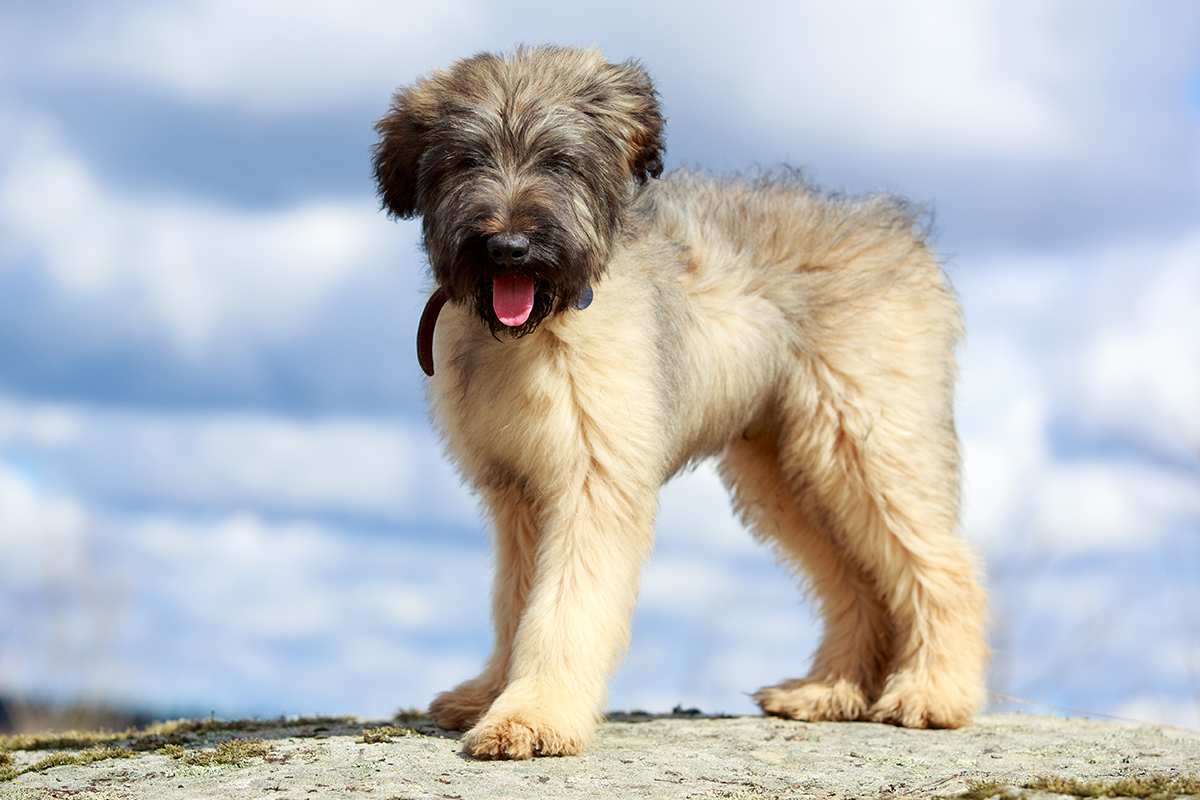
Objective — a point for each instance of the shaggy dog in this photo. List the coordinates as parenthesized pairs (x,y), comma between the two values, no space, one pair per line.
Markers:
(603,330)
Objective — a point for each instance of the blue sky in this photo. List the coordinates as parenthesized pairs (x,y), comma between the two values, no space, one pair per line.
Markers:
(218,488)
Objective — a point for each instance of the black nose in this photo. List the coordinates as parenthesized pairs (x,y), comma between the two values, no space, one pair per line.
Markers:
(508,248)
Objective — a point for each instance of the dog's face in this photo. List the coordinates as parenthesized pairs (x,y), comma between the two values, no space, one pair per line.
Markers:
(521,168)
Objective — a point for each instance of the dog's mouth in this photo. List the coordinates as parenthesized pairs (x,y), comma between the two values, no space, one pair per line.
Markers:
(512,298)
(515,302)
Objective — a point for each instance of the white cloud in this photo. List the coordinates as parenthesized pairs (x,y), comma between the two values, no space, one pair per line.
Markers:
(206,612)
(56,603)
(391,468)
(42,425)
(1139,375)
(1003,421)
(1009,80)
(687,588)
(1089,506)
(938,78)
(295,580)
(747,625)
(695,512)
(43,533)
(1081,345)
(1161,709)
(189,271)
(273,56)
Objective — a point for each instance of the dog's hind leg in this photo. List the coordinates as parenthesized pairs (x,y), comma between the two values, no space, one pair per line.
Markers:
(514,519)
(848,666)
(878,457)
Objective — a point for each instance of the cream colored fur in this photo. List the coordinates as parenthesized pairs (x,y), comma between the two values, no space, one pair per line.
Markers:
(807,342)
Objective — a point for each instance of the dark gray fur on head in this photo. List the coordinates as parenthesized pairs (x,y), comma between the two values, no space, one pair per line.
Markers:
(550,142)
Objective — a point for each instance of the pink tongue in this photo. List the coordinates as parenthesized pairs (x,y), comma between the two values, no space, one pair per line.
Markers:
(512,298)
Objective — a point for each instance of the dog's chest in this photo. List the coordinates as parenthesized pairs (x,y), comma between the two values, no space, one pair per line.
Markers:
(543,407)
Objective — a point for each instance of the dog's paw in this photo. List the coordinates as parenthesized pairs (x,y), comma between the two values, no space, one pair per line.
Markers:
(518,736)
(813,700)
(462,706)
(912,702)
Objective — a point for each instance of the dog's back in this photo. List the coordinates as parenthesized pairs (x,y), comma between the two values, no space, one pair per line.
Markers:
(753,274)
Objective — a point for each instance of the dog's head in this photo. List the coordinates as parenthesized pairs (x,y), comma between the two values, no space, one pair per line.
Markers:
(521,168)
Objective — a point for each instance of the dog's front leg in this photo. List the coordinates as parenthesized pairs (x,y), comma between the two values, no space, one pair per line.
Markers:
(515,521)
(575,624)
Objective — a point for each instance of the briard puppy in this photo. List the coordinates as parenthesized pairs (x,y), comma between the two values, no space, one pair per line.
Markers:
(603,330)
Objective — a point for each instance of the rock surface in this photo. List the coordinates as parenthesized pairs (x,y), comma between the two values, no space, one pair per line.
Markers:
(637,757)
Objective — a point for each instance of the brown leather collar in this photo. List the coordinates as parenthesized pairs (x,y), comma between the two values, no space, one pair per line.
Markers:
(425,329)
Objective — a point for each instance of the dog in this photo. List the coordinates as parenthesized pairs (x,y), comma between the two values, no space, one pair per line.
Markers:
(605,327)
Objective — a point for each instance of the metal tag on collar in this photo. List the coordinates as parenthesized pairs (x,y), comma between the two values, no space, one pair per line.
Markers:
(585,298)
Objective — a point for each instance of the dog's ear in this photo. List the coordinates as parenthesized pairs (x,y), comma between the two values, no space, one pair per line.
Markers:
(403,133)
(636,101)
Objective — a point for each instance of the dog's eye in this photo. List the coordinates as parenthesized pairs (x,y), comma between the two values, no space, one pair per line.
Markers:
(561,163)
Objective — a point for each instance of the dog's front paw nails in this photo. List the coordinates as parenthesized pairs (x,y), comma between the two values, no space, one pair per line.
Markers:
(914,703)
(813,700)
(518,736)
(462,706)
